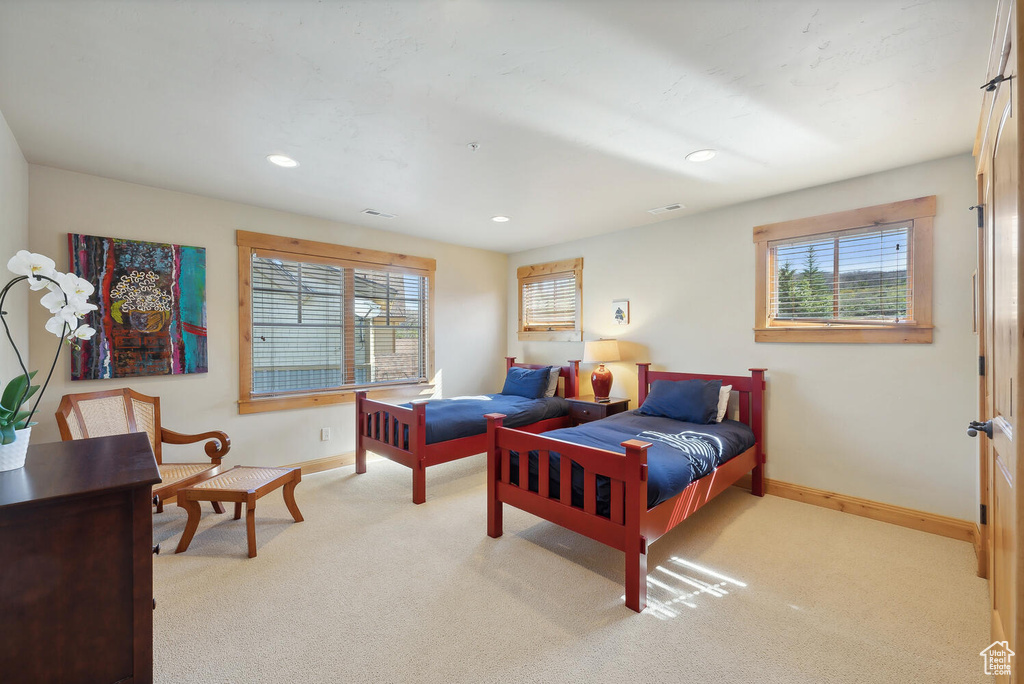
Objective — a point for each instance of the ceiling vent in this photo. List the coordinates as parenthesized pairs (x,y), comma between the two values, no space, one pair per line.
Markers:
(666,209)
(381,214)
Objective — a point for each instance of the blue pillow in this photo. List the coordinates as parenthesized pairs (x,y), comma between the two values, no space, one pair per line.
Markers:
(527,382)
(691,401)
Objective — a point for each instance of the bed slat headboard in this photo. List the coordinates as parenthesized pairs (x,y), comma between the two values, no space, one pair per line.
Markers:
(570,374)
(750,388)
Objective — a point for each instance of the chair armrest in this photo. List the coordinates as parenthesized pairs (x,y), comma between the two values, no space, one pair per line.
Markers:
(214,449)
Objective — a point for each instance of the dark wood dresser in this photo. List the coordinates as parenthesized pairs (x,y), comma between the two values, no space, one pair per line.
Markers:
(76,563)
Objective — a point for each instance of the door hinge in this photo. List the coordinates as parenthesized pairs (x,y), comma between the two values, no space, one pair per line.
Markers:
(980,209)
(994,83)
(981,366)
(984,514)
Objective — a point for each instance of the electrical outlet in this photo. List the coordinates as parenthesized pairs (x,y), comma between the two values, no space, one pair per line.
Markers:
(325,434)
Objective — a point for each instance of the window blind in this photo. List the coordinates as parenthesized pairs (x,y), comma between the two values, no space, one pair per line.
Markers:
(318,326)
(857,276)
(549,302)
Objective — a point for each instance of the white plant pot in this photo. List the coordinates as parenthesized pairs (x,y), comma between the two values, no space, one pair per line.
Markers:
(12,456)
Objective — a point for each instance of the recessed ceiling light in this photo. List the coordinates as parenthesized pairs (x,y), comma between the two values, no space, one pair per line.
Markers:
(701,155)
(499,219)
(281,160)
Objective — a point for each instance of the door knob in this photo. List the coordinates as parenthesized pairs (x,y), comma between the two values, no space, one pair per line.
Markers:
(977,426)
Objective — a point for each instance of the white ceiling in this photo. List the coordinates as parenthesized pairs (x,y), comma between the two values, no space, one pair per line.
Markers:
(583,110)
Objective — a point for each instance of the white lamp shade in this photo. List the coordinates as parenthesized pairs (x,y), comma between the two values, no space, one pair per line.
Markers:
(600,351)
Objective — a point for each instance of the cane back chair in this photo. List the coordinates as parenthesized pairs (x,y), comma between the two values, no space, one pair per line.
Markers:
(117,412)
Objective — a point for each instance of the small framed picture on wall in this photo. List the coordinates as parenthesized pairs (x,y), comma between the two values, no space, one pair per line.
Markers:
(620,311)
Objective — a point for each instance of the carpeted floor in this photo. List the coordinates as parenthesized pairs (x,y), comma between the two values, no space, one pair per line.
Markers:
(372,588)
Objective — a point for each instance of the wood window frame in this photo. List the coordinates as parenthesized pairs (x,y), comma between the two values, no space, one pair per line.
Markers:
(321,252)
(552,269)
(920,212)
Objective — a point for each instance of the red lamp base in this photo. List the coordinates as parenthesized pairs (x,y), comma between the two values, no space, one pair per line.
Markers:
(601,380)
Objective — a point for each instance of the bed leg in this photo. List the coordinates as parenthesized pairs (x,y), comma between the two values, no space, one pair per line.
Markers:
(419,483)
(635,506)
(636,575)
(494,517)
(360,456)
(494,506)
(757,480)
(360,426)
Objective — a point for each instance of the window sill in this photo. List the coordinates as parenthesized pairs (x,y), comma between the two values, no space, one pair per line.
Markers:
(551,336)
(405,392)
(847,334)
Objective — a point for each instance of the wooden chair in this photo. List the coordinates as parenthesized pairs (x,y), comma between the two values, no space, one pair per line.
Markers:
(116,412)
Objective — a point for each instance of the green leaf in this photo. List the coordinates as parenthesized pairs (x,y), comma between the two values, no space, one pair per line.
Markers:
(7,434)
(12,398)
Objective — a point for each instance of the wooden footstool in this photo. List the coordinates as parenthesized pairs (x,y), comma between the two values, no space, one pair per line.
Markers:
(240,484)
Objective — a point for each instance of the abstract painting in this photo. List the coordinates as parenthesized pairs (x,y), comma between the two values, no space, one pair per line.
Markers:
(151,318)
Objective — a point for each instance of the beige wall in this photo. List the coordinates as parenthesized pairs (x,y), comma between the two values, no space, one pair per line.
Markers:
(13,236)
(883,422)
(469,327)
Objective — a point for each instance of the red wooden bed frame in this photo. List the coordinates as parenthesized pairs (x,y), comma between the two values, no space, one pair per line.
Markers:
(379,436)
(632,525)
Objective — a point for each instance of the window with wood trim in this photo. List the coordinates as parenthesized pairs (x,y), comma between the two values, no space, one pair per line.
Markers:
(854,276)
(318,321)
(551,301)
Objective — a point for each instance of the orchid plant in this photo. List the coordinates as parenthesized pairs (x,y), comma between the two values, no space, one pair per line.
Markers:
(67,300)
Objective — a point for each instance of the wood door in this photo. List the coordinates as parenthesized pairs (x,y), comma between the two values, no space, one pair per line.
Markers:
(999,161)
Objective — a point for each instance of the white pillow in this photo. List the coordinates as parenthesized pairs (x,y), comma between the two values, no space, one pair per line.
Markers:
(723,402)
(553,381)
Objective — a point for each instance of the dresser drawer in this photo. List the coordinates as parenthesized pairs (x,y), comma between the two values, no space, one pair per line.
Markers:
(583,413)
(586,409)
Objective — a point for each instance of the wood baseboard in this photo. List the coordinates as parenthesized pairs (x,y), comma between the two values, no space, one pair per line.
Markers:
(955,528)
(979,551)
(318,465)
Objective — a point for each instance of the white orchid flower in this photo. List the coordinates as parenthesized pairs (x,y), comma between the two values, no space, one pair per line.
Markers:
(59,281)
(82,332)
(31,264)
(60,322)
(74,286)
(80,306)
(53,301)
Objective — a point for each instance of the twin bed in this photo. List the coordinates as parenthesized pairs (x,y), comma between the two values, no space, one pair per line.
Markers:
(579,478)
(429,432)
(624,481)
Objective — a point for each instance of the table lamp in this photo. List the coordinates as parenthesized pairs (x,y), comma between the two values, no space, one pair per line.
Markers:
(601,352)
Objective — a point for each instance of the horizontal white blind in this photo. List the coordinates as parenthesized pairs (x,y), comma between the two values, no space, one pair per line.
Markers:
(391,324)
(863,275)
(317,326)
(549,303)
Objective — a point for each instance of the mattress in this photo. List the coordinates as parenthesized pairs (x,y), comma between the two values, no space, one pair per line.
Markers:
(460,417)
(680,453)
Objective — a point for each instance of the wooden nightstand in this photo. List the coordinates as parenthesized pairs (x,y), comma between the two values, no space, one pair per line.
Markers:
(586,409)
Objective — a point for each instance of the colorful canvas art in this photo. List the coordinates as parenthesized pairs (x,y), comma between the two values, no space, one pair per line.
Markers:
(151,318)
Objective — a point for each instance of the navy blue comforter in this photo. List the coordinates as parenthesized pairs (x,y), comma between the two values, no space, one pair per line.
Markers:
(679,454)
(464,416)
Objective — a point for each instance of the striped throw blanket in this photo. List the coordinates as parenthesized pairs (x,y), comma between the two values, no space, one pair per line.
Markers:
(701,449)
